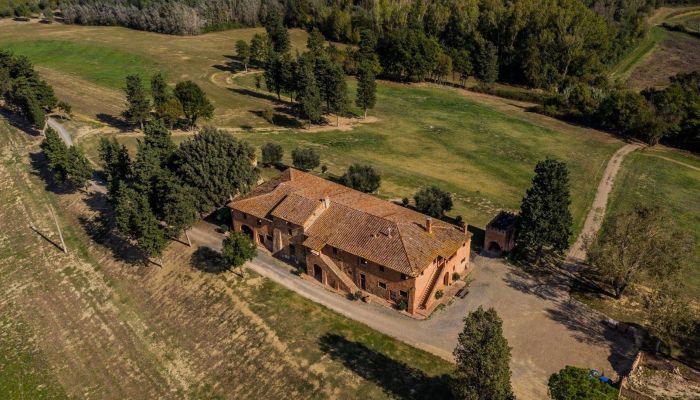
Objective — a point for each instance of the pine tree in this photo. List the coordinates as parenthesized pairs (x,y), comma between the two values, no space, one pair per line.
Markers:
(56,153)
(78,170)
(482,356)
(278,73)
(116,164)
(315,42)
(544,224)
(138,105)
(276,31)
(157,138)
(159,90)
(366,88)
(487,63)
(338,91)
(309,96)
(259,49)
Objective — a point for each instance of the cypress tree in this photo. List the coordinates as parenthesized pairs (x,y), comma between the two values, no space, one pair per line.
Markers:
(544,224)
(138,105)
(482,356)
(366,88)
(309,95)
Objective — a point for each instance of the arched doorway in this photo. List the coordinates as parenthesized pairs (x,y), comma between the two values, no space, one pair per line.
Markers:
(246,229)
(318,273)
(494,247)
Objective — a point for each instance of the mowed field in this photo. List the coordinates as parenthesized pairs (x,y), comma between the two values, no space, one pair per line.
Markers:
(668,178)
(661,53)
(480,148)
(91,324)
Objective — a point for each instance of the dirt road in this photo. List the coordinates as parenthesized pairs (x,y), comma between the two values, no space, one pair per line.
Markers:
(62,132)
(594,219)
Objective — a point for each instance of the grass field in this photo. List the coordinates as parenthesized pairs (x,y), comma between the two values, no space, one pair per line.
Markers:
(483,153)
(89,325)
(661,53)
(668,178)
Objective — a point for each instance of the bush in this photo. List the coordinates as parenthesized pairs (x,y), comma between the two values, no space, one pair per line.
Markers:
(362,177)
(439,294)
(272,154)
(456,276)
(572,383)
(433,201)
(402,305)
(223,228)
(305,158)
(357,295)
(237,249)
(405,201)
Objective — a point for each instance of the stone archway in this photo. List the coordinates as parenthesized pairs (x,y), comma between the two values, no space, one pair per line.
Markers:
(494,247)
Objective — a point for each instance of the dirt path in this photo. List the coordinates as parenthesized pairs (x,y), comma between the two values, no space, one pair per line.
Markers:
(594,220)
(61,130)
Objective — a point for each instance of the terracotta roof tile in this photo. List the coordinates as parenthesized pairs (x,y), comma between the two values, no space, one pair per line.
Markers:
(361,224)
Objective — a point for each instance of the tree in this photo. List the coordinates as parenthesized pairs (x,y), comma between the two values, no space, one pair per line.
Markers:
(544,225)
(194,101)
(177,204)
(443,66)
(433,201)
(159,90)
(278,73)
(116,164)
(56,153)
(639,244)
(305,158)
(335,89)
(138,106)
(170,111)
(462,64)
(361,177)
(135,220)
(487,63)
(668,313)
(259,48)
(366,88)
(237,249)
(572,383)
(482,356)
(276,31)
(315,42)
(216,166)
(271,154)
(157,138)
(243,53)
(309,96)
(78,169)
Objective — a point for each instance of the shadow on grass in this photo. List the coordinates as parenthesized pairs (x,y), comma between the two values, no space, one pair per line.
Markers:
(207,260)
(283,117)
(396,378)
(39,168)
(113,121)
(20,122)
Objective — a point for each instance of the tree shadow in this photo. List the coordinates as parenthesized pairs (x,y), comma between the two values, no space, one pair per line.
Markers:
(38,232)
(396,378)
(38,162)
(113,121)
(282,117)
(258,95)
(587,327)
(547,285)
(100,228)
(208,260)
(20,122)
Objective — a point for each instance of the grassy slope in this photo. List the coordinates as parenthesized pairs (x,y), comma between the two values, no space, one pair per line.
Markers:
(648,179)
(624,67)
(425,135)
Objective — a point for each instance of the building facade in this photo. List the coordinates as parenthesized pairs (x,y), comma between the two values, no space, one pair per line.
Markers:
(500,234)
(351,241)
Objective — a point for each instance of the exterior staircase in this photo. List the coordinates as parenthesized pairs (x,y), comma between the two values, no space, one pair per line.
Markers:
(342,276)
(429,289)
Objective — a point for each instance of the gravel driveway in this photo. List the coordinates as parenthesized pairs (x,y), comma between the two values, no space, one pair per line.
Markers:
(545,328)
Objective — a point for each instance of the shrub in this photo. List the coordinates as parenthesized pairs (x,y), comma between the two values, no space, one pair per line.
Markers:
(272,154)
(439,294)
(362,177)
(223,228)
(572,383)
(405,201)
(357,295)
(433,201)
(456,276)
(402,305)
(305,158)
(237,249)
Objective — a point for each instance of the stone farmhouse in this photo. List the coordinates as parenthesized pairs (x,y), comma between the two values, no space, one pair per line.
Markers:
(352,241)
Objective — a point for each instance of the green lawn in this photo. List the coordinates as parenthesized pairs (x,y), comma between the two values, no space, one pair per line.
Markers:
(102,65)
(646,178)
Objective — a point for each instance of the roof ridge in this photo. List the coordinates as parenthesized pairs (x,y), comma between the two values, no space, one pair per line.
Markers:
(405,251)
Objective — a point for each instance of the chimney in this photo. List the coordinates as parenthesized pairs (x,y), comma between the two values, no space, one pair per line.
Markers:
(326,202)
(428,224)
